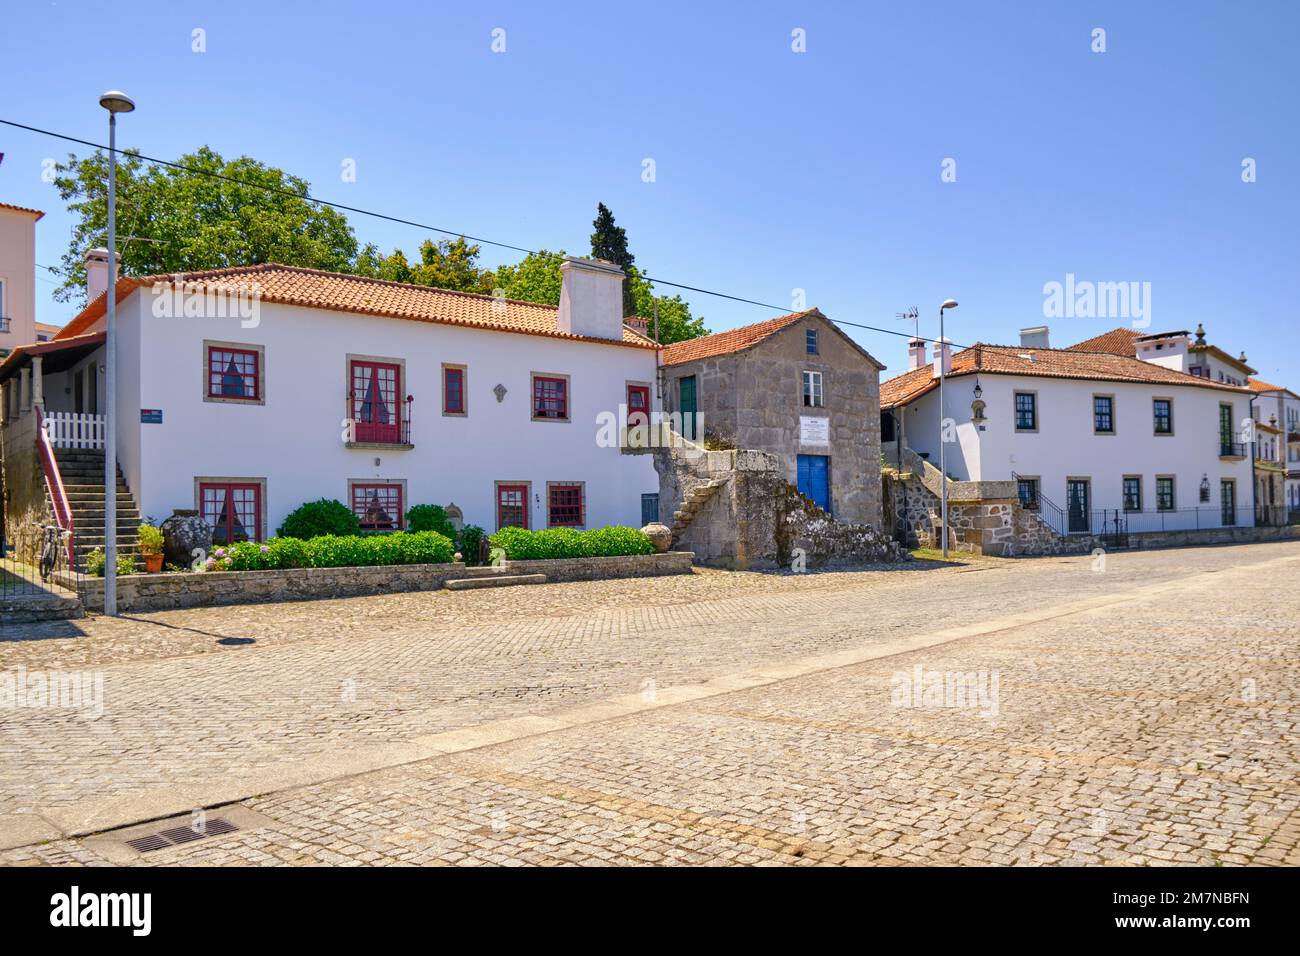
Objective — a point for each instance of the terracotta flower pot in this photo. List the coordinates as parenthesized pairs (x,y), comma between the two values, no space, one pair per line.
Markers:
(153,563)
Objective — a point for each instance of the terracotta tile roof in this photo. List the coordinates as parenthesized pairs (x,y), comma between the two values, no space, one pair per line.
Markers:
(1040,363)
(1255,385)
(1119,341)
(35,212)
(14,360)
(314,288)
(732,340)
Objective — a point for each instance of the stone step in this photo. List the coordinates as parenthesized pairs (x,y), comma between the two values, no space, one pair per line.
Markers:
(495,581)
(31,609)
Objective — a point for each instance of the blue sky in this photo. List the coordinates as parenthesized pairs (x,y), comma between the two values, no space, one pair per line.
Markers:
(775,170)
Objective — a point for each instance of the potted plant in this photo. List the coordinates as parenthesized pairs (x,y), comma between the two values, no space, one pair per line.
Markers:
(149,542)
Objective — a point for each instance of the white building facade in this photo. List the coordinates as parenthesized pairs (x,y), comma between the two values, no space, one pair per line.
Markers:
(1092,439)
(380,395)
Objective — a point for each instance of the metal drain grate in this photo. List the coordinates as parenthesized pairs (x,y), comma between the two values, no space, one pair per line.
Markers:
(175,836)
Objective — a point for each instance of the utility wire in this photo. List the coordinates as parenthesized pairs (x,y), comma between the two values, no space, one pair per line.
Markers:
(425,226)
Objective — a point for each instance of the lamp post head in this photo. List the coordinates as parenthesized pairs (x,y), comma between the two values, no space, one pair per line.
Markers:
(115,101)
(948,304)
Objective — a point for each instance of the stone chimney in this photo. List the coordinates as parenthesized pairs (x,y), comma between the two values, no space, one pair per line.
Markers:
(915,354)
(1034,337)
(942,356)
(591,298)
(97,272)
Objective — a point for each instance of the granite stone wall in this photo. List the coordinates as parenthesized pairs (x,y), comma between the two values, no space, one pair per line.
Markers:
(753,400)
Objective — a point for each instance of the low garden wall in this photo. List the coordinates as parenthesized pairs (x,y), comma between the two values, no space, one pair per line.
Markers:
(157,592)
(593,569)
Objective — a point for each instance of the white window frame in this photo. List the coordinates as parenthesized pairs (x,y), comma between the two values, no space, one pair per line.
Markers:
(812,393)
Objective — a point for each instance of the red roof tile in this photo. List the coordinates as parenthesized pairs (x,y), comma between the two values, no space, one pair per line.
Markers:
(314,288)
(1039,363)
(732,340)
(35,212)
(1121,341)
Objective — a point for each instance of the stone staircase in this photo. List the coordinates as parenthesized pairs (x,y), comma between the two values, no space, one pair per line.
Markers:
(695,499)
(83,481)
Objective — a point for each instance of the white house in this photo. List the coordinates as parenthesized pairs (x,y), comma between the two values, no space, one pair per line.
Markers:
(17,276)
(1277,417)
(1091,435)
(245,392)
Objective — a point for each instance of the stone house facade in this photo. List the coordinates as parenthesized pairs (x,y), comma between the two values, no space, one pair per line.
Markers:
(796,387)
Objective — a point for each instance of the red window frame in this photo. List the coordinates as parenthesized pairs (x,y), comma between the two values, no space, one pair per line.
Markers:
(568,502)
(375,402)
(220,359)
(504,507)
(542,384)
(638,405)
(386,496)
(453,395)
(223,514)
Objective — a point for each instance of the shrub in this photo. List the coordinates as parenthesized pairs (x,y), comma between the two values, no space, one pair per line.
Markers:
(317,518)
(149,540)
(468,542)
(333,551)
(95,562)
(430,518)
(522,545)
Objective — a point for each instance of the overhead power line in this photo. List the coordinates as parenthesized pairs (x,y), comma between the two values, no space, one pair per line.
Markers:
(421,225)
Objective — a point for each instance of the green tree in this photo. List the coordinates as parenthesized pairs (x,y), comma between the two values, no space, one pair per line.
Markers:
(451,264)
(535,278)
(177,220)
(609,242)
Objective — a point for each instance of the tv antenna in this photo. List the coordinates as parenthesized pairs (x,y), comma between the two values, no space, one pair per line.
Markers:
(915,316)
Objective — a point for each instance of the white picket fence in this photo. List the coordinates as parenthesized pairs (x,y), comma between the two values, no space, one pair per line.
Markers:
(75,430)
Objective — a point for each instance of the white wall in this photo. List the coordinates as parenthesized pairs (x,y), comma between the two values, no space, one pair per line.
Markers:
(1065,445)
(294,441)
(18,275)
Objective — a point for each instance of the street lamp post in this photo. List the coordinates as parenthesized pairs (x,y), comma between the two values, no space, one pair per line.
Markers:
(115,102)
(943,438)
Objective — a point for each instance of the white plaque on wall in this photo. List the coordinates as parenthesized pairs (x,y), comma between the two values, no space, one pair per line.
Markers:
(814,430)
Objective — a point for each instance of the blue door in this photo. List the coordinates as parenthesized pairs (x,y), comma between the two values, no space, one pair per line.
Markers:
(814,480)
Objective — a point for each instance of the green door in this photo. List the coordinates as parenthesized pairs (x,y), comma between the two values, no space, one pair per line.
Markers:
(686,404)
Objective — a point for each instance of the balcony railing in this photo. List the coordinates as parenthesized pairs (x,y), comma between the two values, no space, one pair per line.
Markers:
(4,323)
(385,433)
(1232,449)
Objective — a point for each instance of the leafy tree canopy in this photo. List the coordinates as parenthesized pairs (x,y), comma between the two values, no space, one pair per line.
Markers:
(185,220)
(177,220)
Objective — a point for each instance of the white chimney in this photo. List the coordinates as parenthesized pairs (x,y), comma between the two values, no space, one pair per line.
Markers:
(591,298)
(1034,337)
(97,272)
(915,354)
(942,355)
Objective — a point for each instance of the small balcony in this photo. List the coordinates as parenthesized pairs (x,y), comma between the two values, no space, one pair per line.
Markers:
(1232,450)
(5,323)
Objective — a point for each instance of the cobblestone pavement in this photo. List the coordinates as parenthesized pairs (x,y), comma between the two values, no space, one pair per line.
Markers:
(1160,730)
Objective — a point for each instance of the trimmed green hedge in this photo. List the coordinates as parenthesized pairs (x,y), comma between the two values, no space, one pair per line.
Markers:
(522,545)
(430,518)
(333,551)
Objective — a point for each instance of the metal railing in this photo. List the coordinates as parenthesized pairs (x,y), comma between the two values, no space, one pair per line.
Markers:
(54,485)
(1232,449)
(1048,511)
(1108,520)
(5,322)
